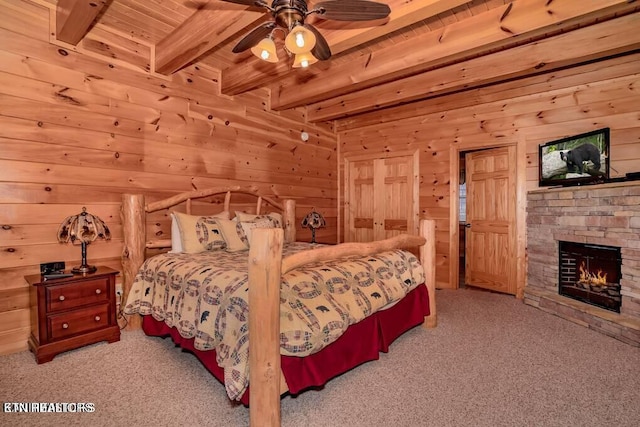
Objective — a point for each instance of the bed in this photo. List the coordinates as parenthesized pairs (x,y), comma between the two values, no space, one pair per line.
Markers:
(314,311)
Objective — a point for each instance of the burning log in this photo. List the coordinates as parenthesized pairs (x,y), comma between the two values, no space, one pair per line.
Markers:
(591,279)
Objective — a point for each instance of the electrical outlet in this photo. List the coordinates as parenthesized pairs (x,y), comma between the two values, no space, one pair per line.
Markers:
(118,293)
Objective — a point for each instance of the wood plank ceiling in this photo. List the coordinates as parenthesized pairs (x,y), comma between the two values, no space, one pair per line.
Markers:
(376,64)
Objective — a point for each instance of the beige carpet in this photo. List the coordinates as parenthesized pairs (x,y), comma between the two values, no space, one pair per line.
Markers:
(492,361)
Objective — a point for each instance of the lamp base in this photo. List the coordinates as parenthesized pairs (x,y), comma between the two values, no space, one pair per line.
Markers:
(84,269)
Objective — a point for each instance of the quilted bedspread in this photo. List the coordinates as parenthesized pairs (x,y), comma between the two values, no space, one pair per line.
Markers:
(204,296)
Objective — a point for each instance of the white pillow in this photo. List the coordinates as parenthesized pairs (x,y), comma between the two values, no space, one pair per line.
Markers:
(176,242)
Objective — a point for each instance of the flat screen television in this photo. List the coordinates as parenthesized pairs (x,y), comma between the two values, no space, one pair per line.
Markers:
(575,160)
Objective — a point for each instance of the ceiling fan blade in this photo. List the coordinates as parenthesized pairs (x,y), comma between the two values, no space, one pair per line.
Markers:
(351,10)
(321,49)
(247,2)
(254,36)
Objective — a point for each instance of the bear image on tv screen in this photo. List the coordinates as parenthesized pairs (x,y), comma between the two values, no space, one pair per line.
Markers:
(575,158)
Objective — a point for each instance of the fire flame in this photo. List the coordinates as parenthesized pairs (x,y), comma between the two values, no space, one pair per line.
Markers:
(596,279)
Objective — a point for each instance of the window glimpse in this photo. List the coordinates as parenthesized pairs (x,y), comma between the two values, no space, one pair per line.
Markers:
(463,203)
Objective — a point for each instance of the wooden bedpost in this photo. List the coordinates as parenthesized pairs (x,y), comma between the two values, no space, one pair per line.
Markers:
(134,232)
(289,218)
(428,261)
(265,262)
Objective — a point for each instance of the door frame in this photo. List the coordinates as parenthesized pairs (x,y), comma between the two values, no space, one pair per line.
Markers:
(521,205)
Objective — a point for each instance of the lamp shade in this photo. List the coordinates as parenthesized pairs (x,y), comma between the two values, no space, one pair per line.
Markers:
(313,221)
(303,60)
(300,40)
(266,50)
(83,229)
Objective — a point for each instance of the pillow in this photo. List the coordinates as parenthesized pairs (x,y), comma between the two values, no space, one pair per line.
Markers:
(176,244)
(243,217)
(245,228)
(230,235)
(237,234)
(199,233)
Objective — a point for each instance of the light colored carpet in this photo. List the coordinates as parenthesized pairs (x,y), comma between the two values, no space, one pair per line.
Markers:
(492,361)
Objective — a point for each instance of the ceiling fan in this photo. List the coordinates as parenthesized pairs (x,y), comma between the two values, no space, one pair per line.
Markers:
(303,40)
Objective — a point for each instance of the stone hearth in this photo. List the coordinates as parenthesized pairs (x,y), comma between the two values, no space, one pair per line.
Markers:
(606,214)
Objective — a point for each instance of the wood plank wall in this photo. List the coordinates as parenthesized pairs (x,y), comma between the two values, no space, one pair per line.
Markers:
(535,109)
(78,128)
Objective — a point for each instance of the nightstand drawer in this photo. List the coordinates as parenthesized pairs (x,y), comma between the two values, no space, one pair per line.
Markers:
(66,296)
(78,321)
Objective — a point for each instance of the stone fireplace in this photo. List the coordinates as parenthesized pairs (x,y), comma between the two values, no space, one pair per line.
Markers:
(574,235)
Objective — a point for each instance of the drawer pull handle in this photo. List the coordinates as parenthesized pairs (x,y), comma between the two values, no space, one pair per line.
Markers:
(97,318)
(65,326)
(98,291)
(61,297)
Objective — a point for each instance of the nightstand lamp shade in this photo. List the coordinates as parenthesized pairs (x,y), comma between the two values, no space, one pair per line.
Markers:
(313,221)
(83,229)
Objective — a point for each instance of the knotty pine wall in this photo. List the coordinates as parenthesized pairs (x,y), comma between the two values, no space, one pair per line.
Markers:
(79,129)
(528,111)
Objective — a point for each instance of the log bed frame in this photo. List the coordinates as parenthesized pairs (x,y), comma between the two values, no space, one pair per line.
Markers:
(266,266)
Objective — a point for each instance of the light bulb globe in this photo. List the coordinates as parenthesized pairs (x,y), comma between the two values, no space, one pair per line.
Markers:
(266,50)
(303,60)
(300,40)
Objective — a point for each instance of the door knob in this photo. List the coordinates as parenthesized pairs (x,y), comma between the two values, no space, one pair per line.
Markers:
(467,225)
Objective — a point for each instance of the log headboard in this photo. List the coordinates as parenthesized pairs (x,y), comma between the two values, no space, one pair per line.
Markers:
(133,215)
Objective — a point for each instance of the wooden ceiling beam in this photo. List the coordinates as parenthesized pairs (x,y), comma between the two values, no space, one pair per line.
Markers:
(585,44)
(342,40)
(493,30)
(254,73)
(75,17)
(209,26)
(525,90)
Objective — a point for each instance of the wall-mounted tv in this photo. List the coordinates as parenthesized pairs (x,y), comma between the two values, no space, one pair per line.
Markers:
(575,160)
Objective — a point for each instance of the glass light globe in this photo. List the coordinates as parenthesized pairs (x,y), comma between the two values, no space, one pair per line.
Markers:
(300,40)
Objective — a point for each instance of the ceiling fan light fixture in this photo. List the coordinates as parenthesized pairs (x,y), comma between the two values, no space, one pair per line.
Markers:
(300,40)
(266,50)
(303,60)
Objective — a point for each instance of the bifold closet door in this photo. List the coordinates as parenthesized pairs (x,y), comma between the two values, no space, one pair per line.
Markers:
(381,196)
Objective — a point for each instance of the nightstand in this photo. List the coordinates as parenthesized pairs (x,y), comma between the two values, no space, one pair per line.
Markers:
(72,312)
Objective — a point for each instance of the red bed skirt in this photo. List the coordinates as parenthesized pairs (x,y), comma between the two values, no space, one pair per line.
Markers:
(360,343)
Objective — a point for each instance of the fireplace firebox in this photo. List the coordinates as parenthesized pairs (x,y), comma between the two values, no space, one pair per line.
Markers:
(591,273)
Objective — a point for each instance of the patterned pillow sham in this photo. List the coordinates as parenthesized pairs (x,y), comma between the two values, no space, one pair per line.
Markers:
(230,235)
(237,234)
(245,228)
(244,217)
(200,233)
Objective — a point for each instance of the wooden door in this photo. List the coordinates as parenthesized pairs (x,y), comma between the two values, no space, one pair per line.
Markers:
(359,202)
(490,258)
(381,196)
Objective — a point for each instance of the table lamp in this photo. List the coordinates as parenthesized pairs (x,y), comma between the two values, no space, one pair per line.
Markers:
(83,229)
(313,221)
